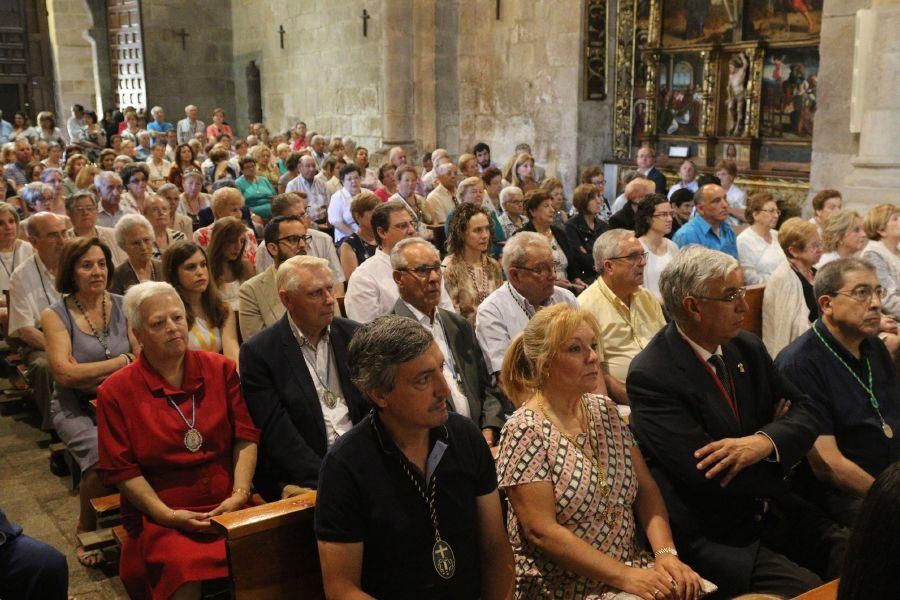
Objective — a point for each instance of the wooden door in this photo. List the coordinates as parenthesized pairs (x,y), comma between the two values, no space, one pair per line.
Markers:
(26,64)
(126,53)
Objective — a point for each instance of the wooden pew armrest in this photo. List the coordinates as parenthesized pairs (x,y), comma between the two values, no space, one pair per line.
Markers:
(256,519)
(828,591)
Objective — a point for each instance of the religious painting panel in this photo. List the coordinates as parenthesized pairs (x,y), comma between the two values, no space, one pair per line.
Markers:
(734,99)
(680,93)
(740,153)
(687,22)
(785,157)
(595,25)
(782,20)
(788,99)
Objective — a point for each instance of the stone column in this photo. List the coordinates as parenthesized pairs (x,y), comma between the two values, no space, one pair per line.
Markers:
(858,109)
(398,128)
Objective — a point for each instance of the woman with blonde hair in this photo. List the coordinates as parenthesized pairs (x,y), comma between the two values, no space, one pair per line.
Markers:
(74,164)
(576,481)
(262,154)
(47,129)
(13,252)
(520,172)
(227,266)
(843,236)
(467,165)
(882,226)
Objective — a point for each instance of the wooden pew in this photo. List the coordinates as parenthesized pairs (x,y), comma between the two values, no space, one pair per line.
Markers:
(272,551)
(753,318)
(828,591)
(106,509)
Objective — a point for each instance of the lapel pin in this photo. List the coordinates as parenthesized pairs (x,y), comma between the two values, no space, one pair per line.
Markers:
(740,367)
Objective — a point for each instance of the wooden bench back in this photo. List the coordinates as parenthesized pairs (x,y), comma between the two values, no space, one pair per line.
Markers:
(753,318)
(272,551)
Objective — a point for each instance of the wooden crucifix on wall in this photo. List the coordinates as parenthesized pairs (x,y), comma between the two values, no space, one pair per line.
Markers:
(183,34)
(365,19)
(281,33)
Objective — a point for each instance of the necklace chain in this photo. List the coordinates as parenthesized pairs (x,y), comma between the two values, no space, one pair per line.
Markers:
(102,337)
(181,414)
(427,495)
(524,308)
(481,291)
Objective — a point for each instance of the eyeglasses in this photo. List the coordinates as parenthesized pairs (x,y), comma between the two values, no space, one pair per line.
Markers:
(293,240)
(423,271)
(665,214)
(738,294)
(544,270)
(634,258)
(406,225)
(864,293)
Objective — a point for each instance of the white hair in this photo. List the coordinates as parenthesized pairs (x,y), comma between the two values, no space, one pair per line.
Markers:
(106,178)
(509,191)
(288,277)
(140,293)
(398,260)
(608,246)
(129,222)
(155,111)
(514,251)
(689,273)
(438,153)
(444,168)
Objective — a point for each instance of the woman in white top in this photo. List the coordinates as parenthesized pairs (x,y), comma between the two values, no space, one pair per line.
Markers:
(156,209)
(339,214)
(843,236)
(758,248)
(227,266)
(882,225)
(13,252)
(652,223)
(192,200)
(213,326)
(159,167)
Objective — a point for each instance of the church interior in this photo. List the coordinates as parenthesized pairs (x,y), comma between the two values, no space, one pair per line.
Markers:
(784,112)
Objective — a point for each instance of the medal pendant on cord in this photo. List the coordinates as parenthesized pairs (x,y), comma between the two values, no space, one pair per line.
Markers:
(888,432)
(330,398)
(443,558)
(193,440)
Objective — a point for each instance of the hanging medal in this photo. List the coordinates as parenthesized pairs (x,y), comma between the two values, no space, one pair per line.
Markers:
(442,556)
(193,440)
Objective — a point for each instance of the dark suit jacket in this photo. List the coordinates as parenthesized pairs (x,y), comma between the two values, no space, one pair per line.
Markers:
(282,400)
(656,176)
(623,219)
(484,399)
(677,408)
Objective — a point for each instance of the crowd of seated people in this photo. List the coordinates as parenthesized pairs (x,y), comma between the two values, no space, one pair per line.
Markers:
(259,315)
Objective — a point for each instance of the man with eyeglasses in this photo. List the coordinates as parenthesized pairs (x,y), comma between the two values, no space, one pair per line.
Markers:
(296,379)
(285,236)
(371,291)
(529,266)
(844,367)
(710,226)
(81,207)
(32,288)
(417,273)
(722,430)
(628,314)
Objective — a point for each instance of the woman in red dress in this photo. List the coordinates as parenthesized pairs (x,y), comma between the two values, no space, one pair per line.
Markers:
(175,436)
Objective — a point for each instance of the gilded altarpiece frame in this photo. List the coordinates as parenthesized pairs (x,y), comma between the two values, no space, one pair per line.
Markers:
(730,79)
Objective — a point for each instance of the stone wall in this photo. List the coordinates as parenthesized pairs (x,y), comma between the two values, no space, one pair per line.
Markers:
(74,66)
(200,74)
(328,73)
(863,165)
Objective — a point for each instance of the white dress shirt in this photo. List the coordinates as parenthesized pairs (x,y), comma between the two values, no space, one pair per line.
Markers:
(759,258)
(316,198)
(503,315)
(692,186)
(436,329)
(31,289)
(324,372)
(339,215)
(372,292)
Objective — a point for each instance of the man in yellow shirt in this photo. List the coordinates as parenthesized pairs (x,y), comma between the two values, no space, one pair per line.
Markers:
(629,315)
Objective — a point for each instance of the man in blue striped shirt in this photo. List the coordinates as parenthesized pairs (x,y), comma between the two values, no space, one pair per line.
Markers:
(709,227)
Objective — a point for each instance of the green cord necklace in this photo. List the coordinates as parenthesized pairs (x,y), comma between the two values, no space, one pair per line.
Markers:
(888,432)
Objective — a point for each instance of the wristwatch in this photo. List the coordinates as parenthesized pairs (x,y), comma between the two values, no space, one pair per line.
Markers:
(666,550)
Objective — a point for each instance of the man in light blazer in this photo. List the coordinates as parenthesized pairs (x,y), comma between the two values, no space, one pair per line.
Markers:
(285,236)
(296,380)
(417,272)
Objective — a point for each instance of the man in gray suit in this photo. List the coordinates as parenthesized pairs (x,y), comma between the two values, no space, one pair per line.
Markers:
(285,236)
(417,272)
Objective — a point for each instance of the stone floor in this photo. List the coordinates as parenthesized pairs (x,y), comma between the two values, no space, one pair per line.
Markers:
(43,504)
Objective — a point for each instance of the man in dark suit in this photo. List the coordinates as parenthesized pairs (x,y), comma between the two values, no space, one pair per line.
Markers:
(30,569)
(722,429)
(646,161)
(417,271)
(296,381)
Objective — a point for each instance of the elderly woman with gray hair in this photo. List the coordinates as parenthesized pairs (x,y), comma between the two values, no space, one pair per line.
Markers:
(134,235)
(176,439)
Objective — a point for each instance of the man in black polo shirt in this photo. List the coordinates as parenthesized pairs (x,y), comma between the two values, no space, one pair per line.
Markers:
(408,504)
(841,364)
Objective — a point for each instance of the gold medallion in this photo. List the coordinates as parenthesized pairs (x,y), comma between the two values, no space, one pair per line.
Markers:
(330,398)
(193,440)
